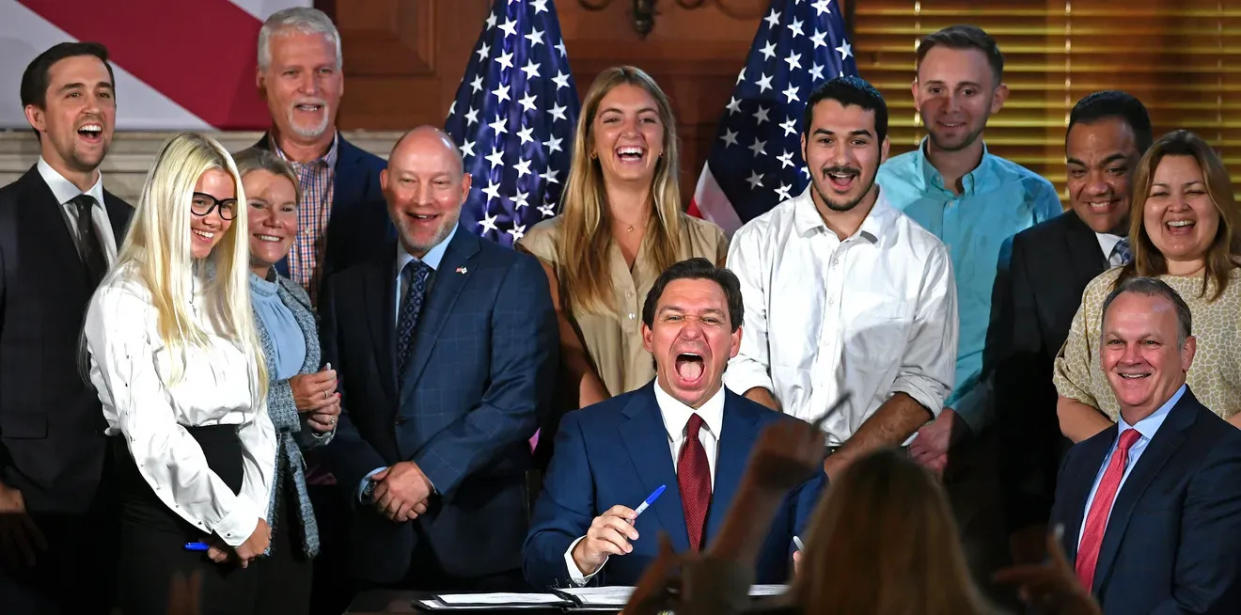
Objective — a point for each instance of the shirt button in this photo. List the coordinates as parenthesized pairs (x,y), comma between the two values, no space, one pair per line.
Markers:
(632,316)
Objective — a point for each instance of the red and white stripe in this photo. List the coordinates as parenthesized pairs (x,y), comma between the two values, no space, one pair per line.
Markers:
(710,203)
(178,65)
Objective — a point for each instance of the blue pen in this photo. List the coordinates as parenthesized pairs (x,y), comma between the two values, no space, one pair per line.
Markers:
(650,499)
(196,546)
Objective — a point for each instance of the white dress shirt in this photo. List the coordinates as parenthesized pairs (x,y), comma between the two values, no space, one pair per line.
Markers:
(676,418)
(874,314)
(145,400)
(65,191)
(1107,243)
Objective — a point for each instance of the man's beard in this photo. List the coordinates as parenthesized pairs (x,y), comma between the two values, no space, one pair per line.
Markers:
(850,204)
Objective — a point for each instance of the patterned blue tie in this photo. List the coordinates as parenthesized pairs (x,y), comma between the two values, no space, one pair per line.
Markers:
(1121,254)
(415,274)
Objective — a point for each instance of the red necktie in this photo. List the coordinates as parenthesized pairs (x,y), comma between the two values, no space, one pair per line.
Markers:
(1101,507)
(694,480)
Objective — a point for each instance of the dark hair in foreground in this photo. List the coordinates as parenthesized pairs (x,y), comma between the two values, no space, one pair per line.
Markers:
(37,74)
(883,540)
(965,36)
(697,269)
(1152,287)
(848,90)
(1113,103)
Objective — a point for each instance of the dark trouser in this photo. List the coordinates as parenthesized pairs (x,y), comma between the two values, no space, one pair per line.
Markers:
(972,482)
(153,537)
(76,574)
(284,577)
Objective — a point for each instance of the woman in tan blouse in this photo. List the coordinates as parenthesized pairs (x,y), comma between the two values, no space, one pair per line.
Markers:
(1183,229)
(620,227)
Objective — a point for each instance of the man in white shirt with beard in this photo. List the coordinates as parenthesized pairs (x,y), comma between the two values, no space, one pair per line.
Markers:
(843,293)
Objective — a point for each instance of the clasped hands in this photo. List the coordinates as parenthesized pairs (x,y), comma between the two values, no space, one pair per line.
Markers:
(401,491)
(315,396)
(244,553)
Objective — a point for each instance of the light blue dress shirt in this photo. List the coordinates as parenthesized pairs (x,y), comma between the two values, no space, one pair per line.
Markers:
(1147,427)
(999,199)
(432,259)
(288,341)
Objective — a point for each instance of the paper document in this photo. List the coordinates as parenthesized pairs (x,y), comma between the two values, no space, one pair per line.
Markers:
(758,591)
(614,595)
(489,602)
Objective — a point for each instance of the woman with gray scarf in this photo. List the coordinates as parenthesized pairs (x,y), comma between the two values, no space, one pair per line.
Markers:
(301,398)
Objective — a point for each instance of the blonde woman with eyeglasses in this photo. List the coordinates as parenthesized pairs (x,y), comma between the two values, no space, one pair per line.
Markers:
(173,354)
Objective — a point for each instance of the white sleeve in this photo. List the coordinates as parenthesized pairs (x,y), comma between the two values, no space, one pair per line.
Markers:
(751,367)
(928,366)
(123,367)
(576,575)
(258,451)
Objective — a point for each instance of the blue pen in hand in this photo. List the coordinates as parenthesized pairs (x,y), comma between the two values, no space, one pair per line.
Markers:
(650,499)
(197,546)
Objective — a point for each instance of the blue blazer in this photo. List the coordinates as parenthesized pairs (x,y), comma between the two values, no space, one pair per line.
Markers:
(359,223)
(1173,540)
(478,380)
(616,452)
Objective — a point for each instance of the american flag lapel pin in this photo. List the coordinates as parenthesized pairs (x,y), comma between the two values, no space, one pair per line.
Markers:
(462,270)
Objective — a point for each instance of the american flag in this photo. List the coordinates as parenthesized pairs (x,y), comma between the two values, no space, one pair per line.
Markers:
(755,161)
(514,118)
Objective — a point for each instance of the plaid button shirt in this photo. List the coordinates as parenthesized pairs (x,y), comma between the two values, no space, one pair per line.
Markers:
(317,178)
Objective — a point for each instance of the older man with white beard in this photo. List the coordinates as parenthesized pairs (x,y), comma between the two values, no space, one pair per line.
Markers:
(342,216)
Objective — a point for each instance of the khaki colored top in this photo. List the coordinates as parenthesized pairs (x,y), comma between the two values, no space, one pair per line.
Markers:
(613,340)
(1214,376)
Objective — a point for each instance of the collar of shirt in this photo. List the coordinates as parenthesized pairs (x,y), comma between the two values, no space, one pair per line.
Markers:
(1149,425)
(63,189)
(807,221)
(432,258)
(971,183)
(1107,242)
(676,414)
(328,159)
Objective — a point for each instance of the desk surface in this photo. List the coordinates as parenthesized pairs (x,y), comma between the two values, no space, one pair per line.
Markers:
(391,601)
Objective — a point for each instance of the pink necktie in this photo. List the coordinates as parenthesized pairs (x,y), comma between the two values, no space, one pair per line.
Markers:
(1101,507)
(694,481)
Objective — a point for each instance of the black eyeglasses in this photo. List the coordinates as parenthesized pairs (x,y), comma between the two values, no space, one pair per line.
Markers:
(203,204)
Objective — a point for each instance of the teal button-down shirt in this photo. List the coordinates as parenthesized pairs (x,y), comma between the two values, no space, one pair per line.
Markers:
(999,199)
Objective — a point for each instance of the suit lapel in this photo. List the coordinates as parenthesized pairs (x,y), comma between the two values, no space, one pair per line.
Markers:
(1085,256)
(119,213)
(450,277)
(49,221)
(349,182)
(1167,440)
(736,440)
(1092,456)
(646,441)
(378,291)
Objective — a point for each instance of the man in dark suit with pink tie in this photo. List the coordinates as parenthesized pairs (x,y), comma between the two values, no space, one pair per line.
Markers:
(1151,506)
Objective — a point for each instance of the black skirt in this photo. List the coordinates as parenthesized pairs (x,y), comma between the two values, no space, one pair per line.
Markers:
(153,537)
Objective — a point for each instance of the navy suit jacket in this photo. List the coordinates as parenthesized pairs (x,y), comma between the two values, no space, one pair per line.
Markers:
(1051,265)
(51,428)
(359,223)
(616,452)
(477,382)
(1173,539)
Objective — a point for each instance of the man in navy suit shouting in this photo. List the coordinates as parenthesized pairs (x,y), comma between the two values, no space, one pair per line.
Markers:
(684,431)
(1151,506)
(446,349)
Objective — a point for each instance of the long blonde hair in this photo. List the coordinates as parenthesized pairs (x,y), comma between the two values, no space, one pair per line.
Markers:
(882,541)
(583,250)
(1222,255)
(157,250)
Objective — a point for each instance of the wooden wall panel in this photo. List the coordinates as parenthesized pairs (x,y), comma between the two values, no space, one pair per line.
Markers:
(404,58)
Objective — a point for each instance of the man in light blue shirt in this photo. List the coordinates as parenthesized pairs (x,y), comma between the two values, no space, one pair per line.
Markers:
(971,200)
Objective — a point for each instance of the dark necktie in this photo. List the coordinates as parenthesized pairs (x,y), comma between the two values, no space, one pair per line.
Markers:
(1101,509)
(89,246)
(1121,254)
(415,275)
(694,481)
